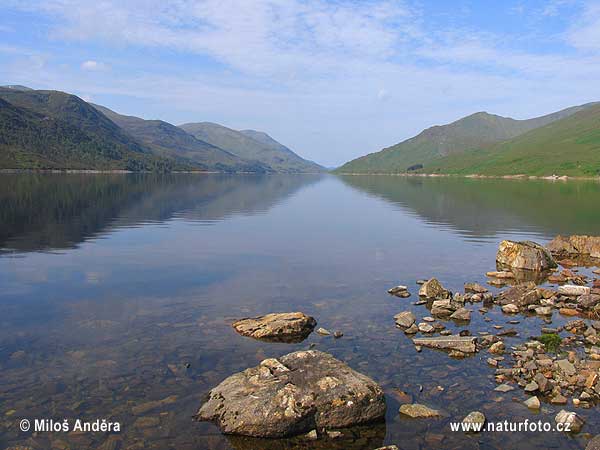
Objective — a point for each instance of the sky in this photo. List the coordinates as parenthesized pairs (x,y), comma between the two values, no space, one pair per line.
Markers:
(332,80)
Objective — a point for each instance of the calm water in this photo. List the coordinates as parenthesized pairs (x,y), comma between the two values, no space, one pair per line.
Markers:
(112,285)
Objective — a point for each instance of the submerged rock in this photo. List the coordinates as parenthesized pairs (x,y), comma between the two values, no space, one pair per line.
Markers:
(287,327)
(571,419)
(291,395)
(526,255)
(533,403)
(464,344)
(477,419)
(576,245)
(418,411)
(594,444)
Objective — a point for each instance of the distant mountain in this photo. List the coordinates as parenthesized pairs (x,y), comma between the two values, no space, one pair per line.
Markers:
(570,146)
(171,141)
(474,132)
(252,145)
(55,130)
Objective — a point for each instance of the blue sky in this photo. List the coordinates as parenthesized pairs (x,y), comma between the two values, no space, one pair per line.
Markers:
(333,80)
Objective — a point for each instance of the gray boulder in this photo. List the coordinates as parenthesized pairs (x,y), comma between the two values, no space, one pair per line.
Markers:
(291,395)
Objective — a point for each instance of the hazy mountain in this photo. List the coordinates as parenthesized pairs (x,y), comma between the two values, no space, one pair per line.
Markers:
(570,146)
(171,141)
(473,132)
(55,130)
(253,145)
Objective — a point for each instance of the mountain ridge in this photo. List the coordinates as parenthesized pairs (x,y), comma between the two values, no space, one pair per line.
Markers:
(475,131)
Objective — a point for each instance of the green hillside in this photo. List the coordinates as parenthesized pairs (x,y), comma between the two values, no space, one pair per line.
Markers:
(473,132)
(570,146)
(171,141)
(54,130)
(251,145)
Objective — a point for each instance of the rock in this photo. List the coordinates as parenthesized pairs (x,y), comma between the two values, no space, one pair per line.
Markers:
(577,245)
(570,312)
(571,290)
(532,386)
(424,327)
(413,329)
(405,319)
(501,275)
(475,288)
(594,444)
(461,314)
(543,310)
(388,447)
(323,332)
(570,420)
(511,308)
(442,307)
(465,344)
(432,289)
(397,290)
(292,395)
(286,327)
(588,301)
(524,255)
(533,403)
(334,434)
(497,348)
(522,295)
(566,367)
(504,388)
(492,362)
(477,419)
(338,334)
(428,319)
(417,411)
(559,400)
(311,435)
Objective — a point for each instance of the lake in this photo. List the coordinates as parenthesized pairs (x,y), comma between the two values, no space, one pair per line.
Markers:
(117,290)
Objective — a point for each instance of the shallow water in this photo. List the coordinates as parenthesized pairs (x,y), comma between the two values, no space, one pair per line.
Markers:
(112,285)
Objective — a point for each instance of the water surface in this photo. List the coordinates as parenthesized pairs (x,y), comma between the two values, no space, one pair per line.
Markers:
(120,289)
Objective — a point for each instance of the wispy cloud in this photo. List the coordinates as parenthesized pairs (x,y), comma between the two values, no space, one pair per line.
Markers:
(334,79)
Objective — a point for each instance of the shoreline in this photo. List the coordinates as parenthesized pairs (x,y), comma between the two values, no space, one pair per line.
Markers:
(478,176)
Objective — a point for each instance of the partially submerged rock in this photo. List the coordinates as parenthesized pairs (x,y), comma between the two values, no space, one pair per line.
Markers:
(573,291)
(417,411)
(405,319)
(464,344)
(576,245)
(571,420)
(281,327)
(526,255)
(433,289)
(291,395)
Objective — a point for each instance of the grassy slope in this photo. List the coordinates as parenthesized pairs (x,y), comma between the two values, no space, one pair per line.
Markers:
(54,130)
(476,131)
(570,146)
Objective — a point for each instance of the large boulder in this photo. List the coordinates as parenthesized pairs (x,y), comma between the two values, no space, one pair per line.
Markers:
(576,245)
(293,394)
(281,327)
(525,255)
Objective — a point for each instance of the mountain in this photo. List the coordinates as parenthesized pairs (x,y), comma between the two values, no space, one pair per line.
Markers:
(570,146)
(171,141)
(252,145)
(479,130)
(55,130)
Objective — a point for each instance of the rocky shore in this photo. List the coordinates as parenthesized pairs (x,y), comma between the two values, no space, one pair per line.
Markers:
(314,395)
